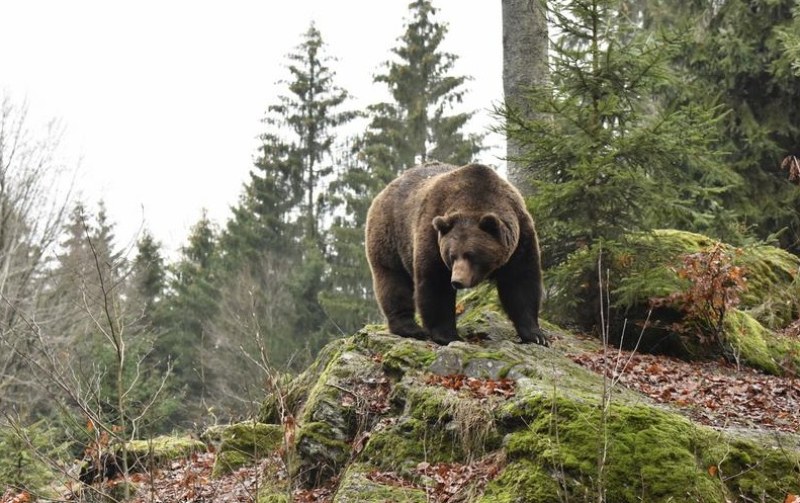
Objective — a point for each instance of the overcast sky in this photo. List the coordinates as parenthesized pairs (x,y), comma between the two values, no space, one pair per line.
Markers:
(162,99)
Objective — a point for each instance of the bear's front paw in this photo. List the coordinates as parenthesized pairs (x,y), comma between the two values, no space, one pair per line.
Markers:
(444,338)
(408,329)
(536,336)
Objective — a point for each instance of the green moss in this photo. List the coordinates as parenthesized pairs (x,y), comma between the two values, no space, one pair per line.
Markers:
(759,347)
(649,455)
(482,316)
(300,388)
(465,422)
(213,434)
(324,398)
(437,425)
(428,403)
(522,480)
(252,437)
(229,461)
(272,497)
(274,486)
(320,455)
(160,451)
(320,433)
(402,446)
(375,338)
(272,489)
(552,445)
(748,339)
(773,289)
(407,354)
(245,443)
(478,300)
(356,487)
(642,266)
(754,472)
(499,355)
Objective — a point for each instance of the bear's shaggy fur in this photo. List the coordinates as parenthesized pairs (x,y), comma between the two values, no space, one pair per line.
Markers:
(438,228)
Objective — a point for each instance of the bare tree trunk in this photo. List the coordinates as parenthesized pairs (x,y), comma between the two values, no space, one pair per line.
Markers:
(525,46)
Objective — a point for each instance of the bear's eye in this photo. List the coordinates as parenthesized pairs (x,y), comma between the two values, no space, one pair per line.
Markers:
(469,256)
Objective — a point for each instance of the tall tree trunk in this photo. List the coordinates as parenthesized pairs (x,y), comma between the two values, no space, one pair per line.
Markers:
(525,47)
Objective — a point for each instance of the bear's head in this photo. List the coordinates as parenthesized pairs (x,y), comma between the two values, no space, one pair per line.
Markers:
(473,246)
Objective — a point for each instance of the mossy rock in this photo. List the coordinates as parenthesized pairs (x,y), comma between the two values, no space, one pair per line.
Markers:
(407,354)
(523,480)
(245,443)
(355,487)
(551,431)
(435,425)
(759,347)
(642,266)
(402,446)
(159,451)
(319,454)
(647,454)
(297,390)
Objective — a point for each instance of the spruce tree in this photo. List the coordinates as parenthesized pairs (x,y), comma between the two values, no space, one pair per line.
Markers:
(419,125)
(148,275)
(312,111)
(614,149)
(283,213)
(747,54)
(190,303)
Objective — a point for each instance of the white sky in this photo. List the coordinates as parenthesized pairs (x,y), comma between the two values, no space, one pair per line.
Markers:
(162,99)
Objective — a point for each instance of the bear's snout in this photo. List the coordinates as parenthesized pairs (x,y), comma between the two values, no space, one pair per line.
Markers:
(462,276)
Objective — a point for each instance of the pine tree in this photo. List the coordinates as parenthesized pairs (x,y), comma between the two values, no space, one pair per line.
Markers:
(615,151)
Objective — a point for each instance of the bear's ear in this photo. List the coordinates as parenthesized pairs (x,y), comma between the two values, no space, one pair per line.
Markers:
(442,224)
(491,224)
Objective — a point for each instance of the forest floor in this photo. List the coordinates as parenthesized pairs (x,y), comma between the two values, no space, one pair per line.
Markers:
(715,393)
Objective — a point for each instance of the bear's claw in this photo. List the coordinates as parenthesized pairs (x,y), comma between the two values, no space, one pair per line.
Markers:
(537,337)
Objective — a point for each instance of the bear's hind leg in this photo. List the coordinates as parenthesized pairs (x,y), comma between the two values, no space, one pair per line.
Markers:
(395,293)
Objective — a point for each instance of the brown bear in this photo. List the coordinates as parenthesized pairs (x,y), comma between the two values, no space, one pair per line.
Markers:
(439,228)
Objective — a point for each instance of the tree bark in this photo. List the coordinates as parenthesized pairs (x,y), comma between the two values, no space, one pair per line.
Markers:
(525,46)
